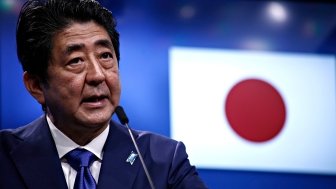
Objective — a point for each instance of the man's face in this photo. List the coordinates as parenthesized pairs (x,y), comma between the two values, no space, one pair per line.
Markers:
(83,86)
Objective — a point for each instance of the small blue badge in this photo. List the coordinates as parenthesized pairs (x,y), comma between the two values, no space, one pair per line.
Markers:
(131,158)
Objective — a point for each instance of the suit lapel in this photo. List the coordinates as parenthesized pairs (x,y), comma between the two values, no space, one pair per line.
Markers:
(115,171)
(37,160)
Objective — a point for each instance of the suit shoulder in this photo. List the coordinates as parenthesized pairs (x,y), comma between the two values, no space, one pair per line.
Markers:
(155,138)
(162,149)
(144,136)
(19,134)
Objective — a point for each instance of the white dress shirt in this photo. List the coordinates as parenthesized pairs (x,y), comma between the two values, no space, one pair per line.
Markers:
(64,145)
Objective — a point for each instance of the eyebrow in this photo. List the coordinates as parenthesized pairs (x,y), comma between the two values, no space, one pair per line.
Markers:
(72,48)
(104,43)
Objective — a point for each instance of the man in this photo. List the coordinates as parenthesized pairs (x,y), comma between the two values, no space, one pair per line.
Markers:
(69,51)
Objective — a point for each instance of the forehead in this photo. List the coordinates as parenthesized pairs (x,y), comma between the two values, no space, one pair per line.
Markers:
(77,32)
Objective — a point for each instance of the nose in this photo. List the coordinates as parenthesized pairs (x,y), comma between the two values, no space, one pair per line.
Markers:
(95,73)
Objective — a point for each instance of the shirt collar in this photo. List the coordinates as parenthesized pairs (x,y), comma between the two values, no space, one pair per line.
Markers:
(64,144)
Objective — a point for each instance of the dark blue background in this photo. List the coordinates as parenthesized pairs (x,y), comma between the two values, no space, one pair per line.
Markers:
(148,28)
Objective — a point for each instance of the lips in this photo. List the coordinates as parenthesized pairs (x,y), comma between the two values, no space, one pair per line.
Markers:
(93,99)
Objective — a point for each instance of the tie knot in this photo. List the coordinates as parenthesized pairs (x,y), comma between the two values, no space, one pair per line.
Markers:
(80,158)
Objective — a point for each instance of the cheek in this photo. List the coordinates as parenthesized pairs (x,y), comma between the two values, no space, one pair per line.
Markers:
(114,86)
(75,86)
(113,78)
(68,87)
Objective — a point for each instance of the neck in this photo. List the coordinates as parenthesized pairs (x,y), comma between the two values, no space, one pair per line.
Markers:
(79,133)
(83,136)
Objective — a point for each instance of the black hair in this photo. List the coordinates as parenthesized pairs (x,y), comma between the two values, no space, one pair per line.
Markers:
(40,20)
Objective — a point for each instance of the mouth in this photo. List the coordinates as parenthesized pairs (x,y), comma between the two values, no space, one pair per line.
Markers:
(94,99)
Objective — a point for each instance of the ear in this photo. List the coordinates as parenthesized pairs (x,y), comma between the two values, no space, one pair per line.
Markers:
(34,86)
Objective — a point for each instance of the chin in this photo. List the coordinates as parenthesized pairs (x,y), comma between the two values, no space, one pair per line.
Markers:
(95,124)
(95,118)
(97,121)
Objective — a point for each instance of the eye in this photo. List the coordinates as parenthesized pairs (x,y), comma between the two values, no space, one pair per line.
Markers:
(106,55)
(75,61)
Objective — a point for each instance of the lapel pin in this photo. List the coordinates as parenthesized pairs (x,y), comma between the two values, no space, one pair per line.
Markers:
(131,158)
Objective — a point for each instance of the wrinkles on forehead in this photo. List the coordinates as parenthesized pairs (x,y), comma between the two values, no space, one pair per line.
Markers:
(77,47)
(77,35)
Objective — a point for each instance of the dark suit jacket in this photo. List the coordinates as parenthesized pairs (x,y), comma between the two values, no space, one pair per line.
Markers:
(29,159)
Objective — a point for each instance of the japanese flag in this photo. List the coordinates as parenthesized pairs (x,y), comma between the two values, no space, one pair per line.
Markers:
(254,110)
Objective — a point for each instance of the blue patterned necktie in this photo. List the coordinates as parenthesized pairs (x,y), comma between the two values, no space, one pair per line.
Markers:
(80,160)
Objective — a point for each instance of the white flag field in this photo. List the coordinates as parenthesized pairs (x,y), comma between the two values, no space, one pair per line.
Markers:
(250,110)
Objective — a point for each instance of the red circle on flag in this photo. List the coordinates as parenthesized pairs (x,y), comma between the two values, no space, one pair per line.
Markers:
(255,110)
